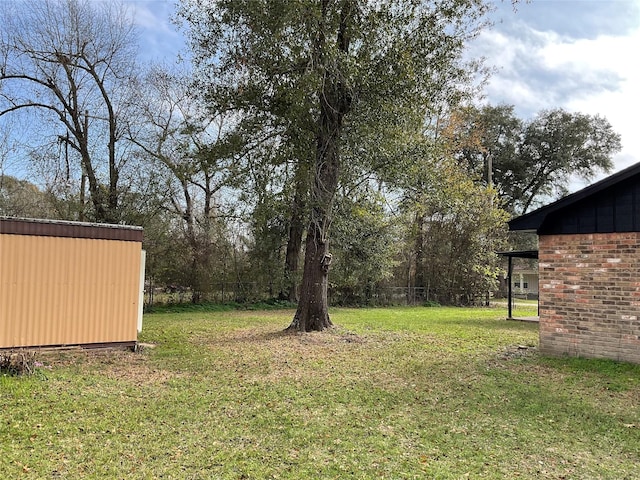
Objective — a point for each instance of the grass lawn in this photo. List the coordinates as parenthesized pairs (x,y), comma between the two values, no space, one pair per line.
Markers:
(392,393)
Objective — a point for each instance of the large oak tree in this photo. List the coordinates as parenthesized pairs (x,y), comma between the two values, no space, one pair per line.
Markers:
(532,160)
(312,70)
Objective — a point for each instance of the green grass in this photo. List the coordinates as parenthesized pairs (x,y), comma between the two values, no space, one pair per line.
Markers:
(391,393)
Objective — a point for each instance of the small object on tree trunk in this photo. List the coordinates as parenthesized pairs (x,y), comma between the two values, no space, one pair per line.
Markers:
(326,261)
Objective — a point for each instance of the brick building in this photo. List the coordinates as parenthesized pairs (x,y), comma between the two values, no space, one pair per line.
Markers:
(589,269)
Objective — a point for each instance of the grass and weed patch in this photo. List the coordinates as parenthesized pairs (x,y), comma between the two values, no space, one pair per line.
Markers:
(390,393)
(18,362)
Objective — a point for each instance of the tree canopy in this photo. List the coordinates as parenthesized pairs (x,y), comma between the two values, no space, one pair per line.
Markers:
(305,69)
(307,136)
(533,160)
(73,62)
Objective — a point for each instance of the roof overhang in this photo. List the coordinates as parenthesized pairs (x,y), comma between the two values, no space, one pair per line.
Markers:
(532,221)
(63,228)
(520,254)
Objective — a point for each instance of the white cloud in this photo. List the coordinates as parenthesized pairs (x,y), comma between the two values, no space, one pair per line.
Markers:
(620,105)
(160,39)
(540,69)
(152,15)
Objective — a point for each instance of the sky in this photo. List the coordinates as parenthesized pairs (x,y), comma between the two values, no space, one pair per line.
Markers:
(580,55)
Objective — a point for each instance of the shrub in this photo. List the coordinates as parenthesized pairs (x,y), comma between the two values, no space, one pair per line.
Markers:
(20,362)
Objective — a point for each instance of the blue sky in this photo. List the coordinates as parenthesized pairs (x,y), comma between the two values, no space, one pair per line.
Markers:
(160,39)
(580,55)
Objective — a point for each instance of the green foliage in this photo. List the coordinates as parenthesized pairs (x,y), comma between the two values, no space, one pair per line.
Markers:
(272,304)
(193,171)
(20,198)
(323,78)
(454,228)
(533,160)
(270,196)
(364,244)
(430,303)
(224,173)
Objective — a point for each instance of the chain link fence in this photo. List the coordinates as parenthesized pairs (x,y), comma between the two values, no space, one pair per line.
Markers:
(252,292)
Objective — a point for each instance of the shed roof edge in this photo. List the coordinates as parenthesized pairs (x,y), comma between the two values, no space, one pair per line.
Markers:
(70,222)
(69,229)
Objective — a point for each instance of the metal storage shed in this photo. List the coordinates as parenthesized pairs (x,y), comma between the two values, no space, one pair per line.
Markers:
(69,283)
(589,266)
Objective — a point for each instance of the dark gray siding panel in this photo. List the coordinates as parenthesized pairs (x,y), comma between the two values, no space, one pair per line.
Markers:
(625,218)
(615,209)
(605,214)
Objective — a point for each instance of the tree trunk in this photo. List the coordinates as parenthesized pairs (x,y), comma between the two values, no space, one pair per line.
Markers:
(294,242)
(418,280)
(335,102)
(313,307)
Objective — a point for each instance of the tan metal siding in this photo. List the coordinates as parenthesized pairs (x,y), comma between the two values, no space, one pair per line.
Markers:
(67,291)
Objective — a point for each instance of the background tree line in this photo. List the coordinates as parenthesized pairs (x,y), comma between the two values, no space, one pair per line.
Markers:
(299,122)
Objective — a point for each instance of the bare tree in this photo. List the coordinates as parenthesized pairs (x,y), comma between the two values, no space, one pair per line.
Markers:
(194,157)
(73,62)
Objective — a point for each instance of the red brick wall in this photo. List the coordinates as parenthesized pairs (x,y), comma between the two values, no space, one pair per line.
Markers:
(590,295)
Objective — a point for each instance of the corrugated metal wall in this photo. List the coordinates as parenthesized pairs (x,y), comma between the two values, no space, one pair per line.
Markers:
(68,291)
